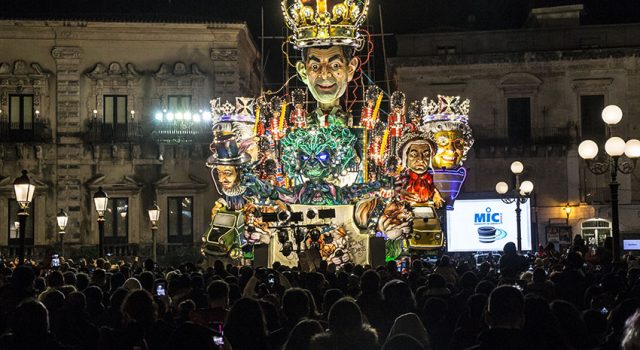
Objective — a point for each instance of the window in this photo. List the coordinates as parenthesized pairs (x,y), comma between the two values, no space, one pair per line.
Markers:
(116,221)
(115,110)
(180,219)
(519,119)
(592,126)
(179,103)
(446,49)
(14,226)
(21,112)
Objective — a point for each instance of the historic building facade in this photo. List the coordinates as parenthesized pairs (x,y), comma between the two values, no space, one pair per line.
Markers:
(535,94)
(117,105)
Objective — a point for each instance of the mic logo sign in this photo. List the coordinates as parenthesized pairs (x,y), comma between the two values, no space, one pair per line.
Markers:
(487,218)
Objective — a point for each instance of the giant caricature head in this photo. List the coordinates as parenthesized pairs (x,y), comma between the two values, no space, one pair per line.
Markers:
(317,154)
(327,71)
(450,148)
(418,157)
(452,140)
(227,176)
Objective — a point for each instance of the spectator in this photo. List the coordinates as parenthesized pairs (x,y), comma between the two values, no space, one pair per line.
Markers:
(295,307)
(402,342)
(30,329)
(218,303)
(409,324)
(505,315)
(301,334)
(511,262)
(446,270)
(346,329)
(370,301)
(540,285)
(245,326)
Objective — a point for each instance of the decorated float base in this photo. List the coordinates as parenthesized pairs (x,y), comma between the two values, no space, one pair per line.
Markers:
(340,240)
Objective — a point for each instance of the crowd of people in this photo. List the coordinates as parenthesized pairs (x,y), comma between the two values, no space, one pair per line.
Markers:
(551,302)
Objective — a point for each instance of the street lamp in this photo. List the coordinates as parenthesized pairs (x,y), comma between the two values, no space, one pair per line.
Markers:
(62,218)
(24,190)
(567,211)
(614,148)
(520,194)
(100,199)
(154,215)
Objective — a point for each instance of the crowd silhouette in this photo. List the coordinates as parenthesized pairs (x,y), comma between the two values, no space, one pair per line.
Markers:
(547,301)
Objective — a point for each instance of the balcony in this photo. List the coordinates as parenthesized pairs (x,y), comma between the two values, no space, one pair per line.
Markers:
(498,137)
(101,132)
(178,128)
(37,132)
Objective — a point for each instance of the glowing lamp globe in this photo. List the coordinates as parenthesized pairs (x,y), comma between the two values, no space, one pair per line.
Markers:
(24,190)
(154,214)
(588,149)
(615,146)
(632,148)
(100,199)
(612,114)
(62,219)
(502,187)
(517,167)
(526,187)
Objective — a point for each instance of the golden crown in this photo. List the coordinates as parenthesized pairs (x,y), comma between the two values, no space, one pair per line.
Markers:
(324,26)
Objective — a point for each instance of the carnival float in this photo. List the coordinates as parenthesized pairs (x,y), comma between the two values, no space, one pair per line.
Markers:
(312,180)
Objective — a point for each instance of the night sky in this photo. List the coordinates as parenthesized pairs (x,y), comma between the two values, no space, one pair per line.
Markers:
(400,16)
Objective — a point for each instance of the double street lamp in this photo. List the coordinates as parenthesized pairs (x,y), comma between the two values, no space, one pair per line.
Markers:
(100,200)
(24,191)
(614,148)
(154,216)
(62,218)
(519,194)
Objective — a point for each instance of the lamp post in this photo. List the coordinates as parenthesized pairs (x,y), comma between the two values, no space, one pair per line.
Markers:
(24,191)
(614,148)
(62,218)
(567,211)
(520,194)
(154,215)
(100,199)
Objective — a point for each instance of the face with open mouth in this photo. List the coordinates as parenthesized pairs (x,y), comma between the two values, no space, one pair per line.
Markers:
(327,72)
(450,148)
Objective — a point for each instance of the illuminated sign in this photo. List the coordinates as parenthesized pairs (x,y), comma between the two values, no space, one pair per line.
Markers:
(486,225)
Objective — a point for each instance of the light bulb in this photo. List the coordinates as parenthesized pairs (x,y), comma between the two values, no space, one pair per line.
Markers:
(588,149)
(614,146)
(517,167)
(502,187)
(632,148)
(612,114)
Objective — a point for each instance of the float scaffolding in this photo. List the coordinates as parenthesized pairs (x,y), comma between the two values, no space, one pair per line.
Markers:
(319,184)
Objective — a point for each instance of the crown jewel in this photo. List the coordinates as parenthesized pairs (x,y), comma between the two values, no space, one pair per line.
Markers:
(242,111)
(446,108)
(325,25)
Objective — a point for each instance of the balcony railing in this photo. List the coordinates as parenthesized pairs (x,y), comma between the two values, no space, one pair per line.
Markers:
(179,131)
(101,132)
(486,136)
(39,131)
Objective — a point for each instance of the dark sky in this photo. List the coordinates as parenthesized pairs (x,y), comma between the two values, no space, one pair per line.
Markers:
(400,16)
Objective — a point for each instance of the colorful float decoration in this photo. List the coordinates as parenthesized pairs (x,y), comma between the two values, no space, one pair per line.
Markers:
(314,185)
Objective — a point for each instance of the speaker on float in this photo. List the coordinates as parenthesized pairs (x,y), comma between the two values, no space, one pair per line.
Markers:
(376,251)
(261,255)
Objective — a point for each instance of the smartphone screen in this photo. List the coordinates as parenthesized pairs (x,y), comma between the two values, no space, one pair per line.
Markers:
(218,338)
(161,290)
(55,260)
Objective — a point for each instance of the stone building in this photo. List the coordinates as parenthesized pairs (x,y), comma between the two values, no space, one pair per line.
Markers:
(117,105)
(535,93)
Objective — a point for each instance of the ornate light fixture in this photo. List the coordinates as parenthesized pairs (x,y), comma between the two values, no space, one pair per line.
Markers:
(615,147)
(519,194)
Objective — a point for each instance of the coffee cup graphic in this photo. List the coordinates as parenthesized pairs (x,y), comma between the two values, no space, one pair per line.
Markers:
(490,234)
